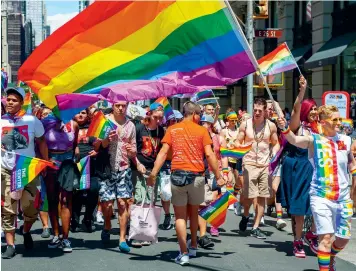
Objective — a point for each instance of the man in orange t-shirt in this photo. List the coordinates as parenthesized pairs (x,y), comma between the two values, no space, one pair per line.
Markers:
(189,143)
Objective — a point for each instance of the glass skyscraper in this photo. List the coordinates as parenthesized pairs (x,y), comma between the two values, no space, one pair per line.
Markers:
(35,13)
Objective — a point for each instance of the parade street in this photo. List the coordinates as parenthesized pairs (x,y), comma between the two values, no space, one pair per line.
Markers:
(233,251)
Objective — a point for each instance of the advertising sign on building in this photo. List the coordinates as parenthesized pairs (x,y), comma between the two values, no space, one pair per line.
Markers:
(340,99)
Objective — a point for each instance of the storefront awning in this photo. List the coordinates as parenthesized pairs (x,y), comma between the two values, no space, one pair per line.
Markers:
(299,52)
(329,52)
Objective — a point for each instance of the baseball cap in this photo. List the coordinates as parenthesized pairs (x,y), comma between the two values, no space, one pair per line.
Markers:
(207,118)
(155,106)
(18,90)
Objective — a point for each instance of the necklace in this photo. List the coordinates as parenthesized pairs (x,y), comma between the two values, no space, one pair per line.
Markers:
(259,138)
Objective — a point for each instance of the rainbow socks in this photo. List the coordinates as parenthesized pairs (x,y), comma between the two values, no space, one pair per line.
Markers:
(335,250)
(323,260)
(279,214)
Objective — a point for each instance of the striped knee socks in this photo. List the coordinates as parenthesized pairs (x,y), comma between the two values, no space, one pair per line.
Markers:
(279,214)
(323,260)
(335,250)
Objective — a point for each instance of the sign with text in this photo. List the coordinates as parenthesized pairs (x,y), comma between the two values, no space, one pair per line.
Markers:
(341,99)
(268,33)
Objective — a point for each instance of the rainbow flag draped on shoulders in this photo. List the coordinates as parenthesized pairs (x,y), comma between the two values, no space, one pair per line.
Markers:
(139,50)
(26,170)
(277,61)
(215,212)
(100,126)
(84,169)
(236,153)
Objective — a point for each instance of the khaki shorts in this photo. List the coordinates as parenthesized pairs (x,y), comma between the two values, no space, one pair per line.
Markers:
(192,194)
(9,206)
(256,182)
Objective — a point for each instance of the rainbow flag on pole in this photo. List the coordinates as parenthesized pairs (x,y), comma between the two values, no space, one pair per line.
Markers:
(139,50)
(215,213)
(26,170)
(100,126)
(236,153)
(168,111)
(84,169)
(277,61)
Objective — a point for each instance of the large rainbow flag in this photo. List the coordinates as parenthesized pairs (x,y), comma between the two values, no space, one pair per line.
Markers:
(215,212)
(138,50)
(277,61)
(26,170)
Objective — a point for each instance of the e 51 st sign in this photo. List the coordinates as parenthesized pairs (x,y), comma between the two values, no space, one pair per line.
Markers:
(268,33)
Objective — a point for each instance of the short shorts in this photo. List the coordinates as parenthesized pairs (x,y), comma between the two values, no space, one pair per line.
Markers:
(118,187)
(332,217)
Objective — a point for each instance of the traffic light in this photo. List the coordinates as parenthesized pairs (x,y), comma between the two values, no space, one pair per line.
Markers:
(261,9)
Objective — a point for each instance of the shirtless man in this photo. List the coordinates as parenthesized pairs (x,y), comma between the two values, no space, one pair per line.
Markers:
(262,134)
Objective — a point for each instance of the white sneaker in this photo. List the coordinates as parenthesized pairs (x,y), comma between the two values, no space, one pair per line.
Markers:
(182,259)
(280,224)
(262,222)
(66,246)
(99,217)
(192,251)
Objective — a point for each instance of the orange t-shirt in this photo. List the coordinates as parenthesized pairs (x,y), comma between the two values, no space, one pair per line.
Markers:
(187,141)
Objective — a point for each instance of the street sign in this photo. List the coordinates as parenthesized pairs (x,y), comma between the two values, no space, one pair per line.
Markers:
(341,99)
(268,33)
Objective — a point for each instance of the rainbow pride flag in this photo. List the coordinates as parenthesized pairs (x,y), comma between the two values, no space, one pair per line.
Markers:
(84,169)
(168,111)
(139,50)
(277,61)
(215,212)
(348,123)
(236,153)
(27,103)
(100,126)
(26,170)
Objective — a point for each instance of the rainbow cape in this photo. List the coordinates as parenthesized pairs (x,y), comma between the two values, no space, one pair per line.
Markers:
(215,212)
(139,50)
(236,153)
(168,111)
(100,126)
(84,169)
(277,61)
(27,104)
(26,170)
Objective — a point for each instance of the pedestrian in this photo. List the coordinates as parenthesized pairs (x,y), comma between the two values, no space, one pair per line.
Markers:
(19,134)
(189,143)
(329,190)
(214,112)
(262,134)
(62,148)
(121,146)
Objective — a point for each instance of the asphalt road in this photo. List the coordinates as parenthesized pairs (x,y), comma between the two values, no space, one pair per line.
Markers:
(233,251)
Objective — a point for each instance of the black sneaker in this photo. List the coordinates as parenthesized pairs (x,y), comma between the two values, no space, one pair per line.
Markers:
(243,223)
(205,242)
(167,222)
(258,234)
(27,240)
(9,253)
(105,236)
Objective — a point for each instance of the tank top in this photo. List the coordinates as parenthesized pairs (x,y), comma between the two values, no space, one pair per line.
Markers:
(230,142)
(60,138)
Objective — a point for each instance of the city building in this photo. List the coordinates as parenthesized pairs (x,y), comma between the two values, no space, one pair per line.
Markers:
(47,31)
(35,11)
(4,44)
(28,39)
(84,4)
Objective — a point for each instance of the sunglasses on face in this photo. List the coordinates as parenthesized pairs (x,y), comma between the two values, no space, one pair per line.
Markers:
(336,120)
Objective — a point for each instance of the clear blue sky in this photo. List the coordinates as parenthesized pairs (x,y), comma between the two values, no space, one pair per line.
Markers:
(61,7)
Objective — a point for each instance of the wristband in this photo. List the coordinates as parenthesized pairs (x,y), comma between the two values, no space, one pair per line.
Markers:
(225,171)
(353,172)
(285,130)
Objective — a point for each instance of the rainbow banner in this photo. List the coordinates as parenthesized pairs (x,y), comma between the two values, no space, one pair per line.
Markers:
(26,170)
(139,50)
(236,153)
(27,103)
(84,169)
(71,104)
(277,61)
(100,126)
(215,213)
(168,111)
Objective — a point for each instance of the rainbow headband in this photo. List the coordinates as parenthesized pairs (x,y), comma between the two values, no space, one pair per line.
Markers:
(231,115)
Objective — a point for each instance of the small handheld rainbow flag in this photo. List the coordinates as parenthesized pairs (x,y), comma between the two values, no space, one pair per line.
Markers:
(84,169)
(347,123)
(26,170)
(277,61)
(215,213)
(100,126)
(204,97)
(27,104)
(236,153)
(168,111)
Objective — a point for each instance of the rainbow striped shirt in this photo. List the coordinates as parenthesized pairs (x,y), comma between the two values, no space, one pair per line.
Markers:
(330,162)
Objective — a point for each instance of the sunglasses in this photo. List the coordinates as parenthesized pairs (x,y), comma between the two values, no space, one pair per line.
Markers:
(336,120)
